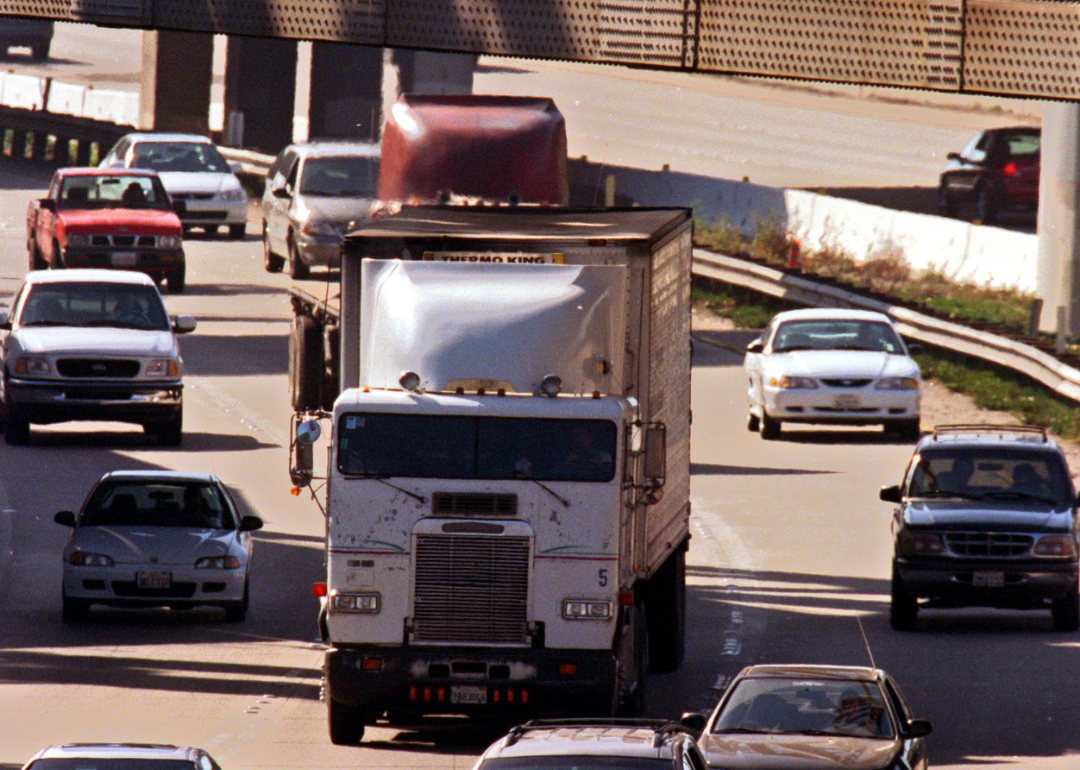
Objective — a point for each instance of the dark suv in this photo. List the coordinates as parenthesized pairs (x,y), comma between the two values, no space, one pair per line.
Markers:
(595,744)
(985,516)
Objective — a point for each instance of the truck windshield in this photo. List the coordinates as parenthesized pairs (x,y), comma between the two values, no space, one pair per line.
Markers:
(429,446)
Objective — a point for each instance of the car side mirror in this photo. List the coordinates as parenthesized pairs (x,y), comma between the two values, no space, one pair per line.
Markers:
(48,204)
(918,728)
(250,523)
(890,494)
(67,518)
(952,156)
(692,720)
(184,324)
(756,346)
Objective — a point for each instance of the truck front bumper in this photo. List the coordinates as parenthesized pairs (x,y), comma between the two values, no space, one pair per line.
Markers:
(467,681)
(157,263)
(49,402)
(988,583)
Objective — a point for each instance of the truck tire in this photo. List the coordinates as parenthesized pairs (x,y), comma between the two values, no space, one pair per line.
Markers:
(171,431)
(667,613)
(37,262)
(903,607)
(40,51)
(632,691)
(346,723)
(1066,612)
(305,364)
(177,279)
(57,261)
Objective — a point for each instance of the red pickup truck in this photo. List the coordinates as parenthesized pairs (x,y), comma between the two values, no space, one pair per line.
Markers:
(118,218)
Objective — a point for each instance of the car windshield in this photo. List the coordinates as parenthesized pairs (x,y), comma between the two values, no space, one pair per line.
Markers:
(806,706)
(576,762)
(428,446)
(991,473)
(119,305)
(157,504)
(179,156)
(836,334)
(110,763)
(340,177)
(83,192)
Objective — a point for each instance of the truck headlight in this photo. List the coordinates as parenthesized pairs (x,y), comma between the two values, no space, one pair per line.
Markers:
(77,240)
(169,241)
(1055,545)
(920,543)
(163,367)
(789,382)
(897,383)
(586,609)
(366,602)
(84,559)
(32,366)
(217,562)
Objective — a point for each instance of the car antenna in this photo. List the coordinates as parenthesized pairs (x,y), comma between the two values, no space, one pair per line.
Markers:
(866,642)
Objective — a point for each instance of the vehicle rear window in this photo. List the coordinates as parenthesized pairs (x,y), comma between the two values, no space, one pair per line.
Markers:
(1023,145)
(345,177)
(991,473)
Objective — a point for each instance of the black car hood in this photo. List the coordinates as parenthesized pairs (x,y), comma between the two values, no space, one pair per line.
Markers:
(797,752)
(985,515)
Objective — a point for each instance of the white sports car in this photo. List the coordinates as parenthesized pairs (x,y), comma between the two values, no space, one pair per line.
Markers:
(157,539)
(832,366)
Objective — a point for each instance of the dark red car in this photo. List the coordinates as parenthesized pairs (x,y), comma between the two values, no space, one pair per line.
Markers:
(996,173)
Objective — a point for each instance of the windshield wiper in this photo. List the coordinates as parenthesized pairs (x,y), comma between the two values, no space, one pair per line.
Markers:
(382,480)
(939,493)
(545,487)
(1012,494)
(750,730)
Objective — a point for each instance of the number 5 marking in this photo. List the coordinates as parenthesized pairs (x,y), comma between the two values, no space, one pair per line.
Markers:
(602,577)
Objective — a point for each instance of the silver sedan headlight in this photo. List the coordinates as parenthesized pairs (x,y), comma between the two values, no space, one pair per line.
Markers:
(790,382)
(897,383)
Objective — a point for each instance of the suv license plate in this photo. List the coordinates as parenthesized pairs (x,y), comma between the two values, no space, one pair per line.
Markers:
(153,579)
(988,579)
(124,259)
(472,695)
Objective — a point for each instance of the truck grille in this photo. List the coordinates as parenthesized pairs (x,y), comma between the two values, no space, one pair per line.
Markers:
(473,504)
(124,241)
(1001,545)
(97,367)
(471,589)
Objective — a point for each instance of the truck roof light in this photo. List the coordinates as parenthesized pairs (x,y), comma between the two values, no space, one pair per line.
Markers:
(551,385)
(409,381)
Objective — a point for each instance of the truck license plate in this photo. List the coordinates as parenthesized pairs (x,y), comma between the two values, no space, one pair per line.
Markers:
(124,259)
(153,579)
(988,579)
(846,402)
(470,695)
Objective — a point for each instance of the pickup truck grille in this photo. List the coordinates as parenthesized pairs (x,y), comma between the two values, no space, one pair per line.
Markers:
(473,504)
(97,367)
(992,544)
(124,241)
(471,589)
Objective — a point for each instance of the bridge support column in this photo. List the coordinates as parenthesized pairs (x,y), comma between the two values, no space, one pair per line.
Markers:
(178,68)
(426,72)
(1058,271)
(346,91)
(260,93)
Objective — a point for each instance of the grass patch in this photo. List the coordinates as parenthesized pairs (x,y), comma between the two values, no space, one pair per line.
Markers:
(745,309)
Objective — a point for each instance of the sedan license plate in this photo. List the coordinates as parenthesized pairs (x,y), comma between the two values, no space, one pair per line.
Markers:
(153,579)
(988,579)
(124,259)
(474,695)
(846,402)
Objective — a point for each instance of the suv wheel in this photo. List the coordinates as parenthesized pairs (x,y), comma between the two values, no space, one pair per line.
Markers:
(904,608)
(1066,612)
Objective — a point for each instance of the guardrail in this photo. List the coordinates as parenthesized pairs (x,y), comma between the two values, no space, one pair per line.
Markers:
(1025,359)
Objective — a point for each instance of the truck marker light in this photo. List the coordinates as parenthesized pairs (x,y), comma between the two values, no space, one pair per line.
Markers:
(372,664)
(295,491)
(626,598)
(551,385)
(409,381)
(318,590)
(568,669)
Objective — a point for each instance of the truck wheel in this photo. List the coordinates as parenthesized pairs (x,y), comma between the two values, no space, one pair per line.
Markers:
(40,51)
(36,260)
(177,279)
(57,262)
(298,269)
(305,363)
(1066,612)
(667,613)
(903,608)
(346,723)
(271,261)
(632,696)
(770,428)
(170,433)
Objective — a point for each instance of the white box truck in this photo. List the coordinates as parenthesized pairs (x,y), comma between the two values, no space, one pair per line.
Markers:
(508,477)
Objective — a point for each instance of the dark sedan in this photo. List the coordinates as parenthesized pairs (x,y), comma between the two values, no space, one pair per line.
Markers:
(996,173)
(810,717)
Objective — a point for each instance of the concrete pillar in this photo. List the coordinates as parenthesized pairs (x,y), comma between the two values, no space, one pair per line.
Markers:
(1058,272)
(178,68)
(427,72)
(260,93)
(346,91)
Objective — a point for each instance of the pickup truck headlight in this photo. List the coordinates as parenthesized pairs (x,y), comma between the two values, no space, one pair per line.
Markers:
(217,562)
(586,609)
(366,602)
(32,366)
(1056,545)
(84,559)
(77,240)
(789,382)
(897,383)
(921,543)
(169,241)
(163,367)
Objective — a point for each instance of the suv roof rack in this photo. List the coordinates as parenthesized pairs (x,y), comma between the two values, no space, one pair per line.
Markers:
(660,727)
(1021,431)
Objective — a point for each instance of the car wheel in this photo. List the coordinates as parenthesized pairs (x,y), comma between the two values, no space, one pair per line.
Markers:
(985,205)
(769,428)
(18,429)
(903,607)
(907,430)
(753,424)
(346,723)
(1066,612)
(75,610)
(946,206)
(271,261)
(235,612)
(36,260)
(40,51)
(237,232)
(298,269)
(177,279)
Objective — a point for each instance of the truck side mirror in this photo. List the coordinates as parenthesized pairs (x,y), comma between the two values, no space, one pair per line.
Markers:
(48,204)
(303,455)
(890,494)
(655,462)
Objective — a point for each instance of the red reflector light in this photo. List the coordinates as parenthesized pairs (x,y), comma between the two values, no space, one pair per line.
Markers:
(318,590)
(626,598)
(372,664)
(568,669)
(1009,169)
(412,693)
